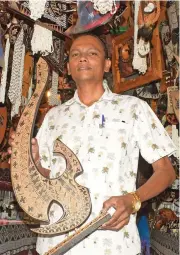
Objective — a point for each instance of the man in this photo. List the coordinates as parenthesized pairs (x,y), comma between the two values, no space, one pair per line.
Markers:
(106,131)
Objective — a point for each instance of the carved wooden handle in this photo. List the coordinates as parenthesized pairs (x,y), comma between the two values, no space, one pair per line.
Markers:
(79,235)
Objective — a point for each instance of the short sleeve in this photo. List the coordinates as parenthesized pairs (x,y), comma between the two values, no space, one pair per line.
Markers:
(153,140)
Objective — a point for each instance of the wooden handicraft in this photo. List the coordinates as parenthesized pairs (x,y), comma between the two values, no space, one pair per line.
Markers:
(34,192)
(125,77)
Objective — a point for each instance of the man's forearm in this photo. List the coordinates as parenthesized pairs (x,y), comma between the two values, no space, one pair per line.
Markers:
(163,176)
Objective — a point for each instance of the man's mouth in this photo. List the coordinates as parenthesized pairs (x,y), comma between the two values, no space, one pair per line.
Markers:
(83,68)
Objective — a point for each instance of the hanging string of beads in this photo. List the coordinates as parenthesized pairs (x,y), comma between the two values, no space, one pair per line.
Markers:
(4,71)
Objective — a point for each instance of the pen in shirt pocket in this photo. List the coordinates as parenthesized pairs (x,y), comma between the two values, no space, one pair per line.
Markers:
(102,125)
(103,121)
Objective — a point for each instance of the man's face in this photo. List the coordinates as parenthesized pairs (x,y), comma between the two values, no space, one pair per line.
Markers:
(87,60)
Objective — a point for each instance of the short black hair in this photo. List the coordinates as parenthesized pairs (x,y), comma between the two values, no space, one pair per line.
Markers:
(101,40)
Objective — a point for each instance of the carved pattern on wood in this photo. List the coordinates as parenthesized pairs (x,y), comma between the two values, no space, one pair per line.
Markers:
(34,192)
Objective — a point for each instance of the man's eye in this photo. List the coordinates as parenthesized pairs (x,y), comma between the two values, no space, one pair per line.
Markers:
(93,53)
(74,55)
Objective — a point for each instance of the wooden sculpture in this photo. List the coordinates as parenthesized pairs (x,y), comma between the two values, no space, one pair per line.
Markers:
(34,192)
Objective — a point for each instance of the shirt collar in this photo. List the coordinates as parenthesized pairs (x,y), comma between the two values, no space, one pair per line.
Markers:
(107,95)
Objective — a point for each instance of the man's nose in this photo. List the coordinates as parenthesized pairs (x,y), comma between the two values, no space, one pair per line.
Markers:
(83,58)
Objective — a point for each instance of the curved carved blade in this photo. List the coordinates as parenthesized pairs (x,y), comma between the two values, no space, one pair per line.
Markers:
(74,198)
(34,192)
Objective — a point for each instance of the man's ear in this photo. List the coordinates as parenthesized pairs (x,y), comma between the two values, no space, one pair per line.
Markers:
(69,72)
(107,65)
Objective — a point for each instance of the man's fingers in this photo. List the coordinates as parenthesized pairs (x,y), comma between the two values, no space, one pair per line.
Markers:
(119,225)
(11,142)
(13,135)
(9,150)
(34,141)
(121,219)
(111,202)
(114,218)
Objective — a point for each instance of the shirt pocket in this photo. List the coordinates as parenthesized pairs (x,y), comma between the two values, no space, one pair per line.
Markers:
(111,140)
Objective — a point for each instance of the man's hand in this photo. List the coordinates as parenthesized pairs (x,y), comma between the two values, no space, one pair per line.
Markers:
(35,154)
(35,147)
(123,207)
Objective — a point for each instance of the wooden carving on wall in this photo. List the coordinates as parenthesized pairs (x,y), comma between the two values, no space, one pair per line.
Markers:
(125,78)
(34,192)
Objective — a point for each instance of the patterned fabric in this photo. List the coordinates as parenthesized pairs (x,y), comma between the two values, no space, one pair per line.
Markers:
(164,243)
(106,137)
(56,58)
(54,11)
(16,238)
(5,175)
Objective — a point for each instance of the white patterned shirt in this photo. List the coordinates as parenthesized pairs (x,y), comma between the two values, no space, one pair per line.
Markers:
(109,157)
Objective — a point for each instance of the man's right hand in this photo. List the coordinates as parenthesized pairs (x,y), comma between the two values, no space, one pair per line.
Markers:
(35,153)
(35,147)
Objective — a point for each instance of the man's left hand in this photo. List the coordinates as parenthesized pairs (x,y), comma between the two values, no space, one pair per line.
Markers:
(121,217)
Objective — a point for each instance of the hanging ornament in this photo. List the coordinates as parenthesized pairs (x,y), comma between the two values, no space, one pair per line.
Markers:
(167,42)
(54,97)
(173,22)
(139,62)
(37,8)
(14,30)
(43,46)
(4,72)
(145,20)
(15,88)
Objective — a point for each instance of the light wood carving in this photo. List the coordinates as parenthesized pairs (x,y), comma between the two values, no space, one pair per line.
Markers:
(34,192)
